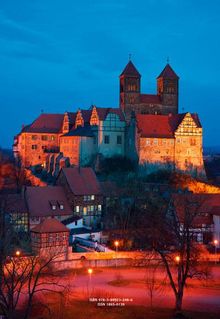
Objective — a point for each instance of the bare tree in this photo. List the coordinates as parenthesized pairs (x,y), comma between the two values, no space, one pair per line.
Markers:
(22,279)
(155,278)
(171,235)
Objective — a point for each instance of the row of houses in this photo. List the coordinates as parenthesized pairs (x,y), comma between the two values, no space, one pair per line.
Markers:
(75,206)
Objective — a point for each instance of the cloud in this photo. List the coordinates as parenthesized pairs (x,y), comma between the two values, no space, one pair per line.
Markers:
(21,42)
(12,30)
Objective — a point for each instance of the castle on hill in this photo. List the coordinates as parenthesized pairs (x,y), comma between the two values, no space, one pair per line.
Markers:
(145,127)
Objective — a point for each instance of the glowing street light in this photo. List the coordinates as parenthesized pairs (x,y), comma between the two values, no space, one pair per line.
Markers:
(18,253)
(216,244)
(90,271)
(177,259)
(116,243)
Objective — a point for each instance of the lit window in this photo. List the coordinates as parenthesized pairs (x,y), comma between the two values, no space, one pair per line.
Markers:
(61,206)
(77,209)
(53,207)
(99,207)
(84,210)
(147,142)
(52,138)
(92,197)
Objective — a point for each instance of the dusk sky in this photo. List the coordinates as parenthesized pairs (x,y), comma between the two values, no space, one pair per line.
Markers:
(64,55)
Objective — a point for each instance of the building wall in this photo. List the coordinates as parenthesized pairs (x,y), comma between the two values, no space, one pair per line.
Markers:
(87,149)
(184,150)
(47,240)
(188,145)
(159,150)
(89,207)
(111,136)
(69,146)
(31,147)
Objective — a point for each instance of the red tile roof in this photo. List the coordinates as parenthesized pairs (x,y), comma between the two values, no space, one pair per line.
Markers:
(39,201)
(130,70)
(46,123)
(72,117)
(161,125)
(150,98)
(86,114)
(82,181)
(168,73)
(206,206)
(50,225)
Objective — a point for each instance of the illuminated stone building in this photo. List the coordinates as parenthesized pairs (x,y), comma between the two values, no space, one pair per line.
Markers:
(145,127)
(133,101)
(79,136)
(174,139)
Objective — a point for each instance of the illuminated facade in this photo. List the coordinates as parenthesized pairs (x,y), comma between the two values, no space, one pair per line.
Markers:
(146,128)
(133,101)
(174,139)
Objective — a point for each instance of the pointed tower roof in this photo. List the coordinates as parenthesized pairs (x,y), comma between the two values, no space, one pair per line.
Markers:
(130,70)
(168,73)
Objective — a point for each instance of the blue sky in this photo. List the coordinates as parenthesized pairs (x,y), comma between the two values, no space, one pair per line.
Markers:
(65,55)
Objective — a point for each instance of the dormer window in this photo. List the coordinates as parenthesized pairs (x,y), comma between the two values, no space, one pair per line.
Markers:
(53,204)
(61,205)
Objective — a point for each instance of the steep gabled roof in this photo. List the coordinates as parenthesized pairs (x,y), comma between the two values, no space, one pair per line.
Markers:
(50,225)
(82,181)
(205,206)
(72,117)
(150,125)
(45,123)
(130,70)
(168,73)
(86,114)
(39,201)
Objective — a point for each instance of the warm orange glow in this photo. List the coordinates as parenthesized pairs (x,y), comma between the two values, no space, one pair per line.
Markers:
(186,181)
(177,259)
(17,253)
(90,271)
(215,242)
(116,243)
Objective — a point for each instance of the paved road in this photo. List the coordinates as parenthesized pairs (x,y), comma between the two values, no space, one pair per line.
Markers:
(195,298)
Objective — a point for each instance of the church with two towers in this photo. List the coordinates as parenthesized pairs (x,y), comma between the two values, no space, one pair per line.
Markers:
(147,128)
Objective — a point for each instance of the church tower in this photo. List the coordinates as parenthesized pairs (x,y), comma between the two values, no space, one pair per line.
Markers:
(167,90)
(130,82)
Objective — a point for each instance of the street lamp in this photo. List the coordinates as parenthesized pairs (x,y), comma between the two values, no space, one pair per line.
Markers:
(116,243)
(90,271)
(18,253)
(216,244)
(177,259)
